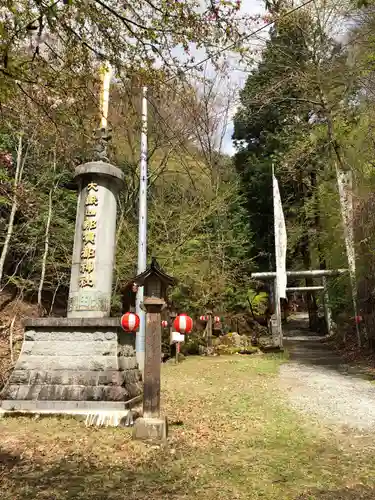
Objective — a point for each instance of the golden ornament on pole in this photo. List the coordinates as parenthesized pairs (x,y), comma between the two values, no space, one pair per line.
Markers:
(105,75)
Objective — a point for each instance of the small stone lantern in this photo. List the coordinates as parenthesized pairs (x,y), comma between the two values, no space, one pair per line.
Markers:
(155,282)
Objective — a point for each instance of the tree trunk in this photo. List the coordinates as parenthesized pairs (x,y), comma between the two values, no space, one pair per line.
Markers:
(17,179)
(46,234)
(54,298)
(344,183)
(310,296)
(318,232)
(305,253)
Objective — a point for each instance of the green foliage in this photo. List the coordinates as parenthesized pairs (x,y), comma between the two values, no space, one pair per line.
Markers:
(230,350)
(197,225)
(258,301)
(308,109)
(192,345)
(267,125)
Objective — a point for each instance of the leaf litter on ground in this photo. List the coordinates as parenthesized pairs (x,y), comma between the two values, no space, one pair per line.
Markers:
(238,439)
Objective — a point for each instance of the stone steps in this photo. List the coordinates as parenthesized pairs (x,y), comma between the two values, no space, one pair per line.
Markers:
(45,392)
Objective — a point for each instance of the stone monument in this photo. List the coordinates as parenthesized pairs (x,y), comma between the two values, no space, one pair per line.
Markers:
(92,264)
(84,363)
(72,364)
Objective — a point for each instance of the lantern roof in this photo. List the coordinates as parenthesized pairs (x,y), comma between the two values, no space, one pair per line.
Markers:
(154,270)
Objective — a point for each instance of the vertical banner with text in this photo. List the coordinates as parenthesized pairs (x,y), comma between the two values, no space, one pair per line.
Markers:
(280,241)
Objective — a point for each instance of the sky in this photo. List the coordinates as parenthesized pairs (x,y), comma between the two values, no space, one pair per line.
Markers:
(237,73)
(238,76)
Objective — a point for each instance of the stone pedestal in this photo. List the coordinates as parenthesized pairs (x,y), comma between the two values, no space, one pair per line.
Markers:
(74,366)
(151,430)
(95,240)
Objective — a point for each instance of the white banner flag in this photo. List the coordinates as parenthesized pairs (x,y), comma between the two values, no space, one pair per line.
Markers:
(280,241)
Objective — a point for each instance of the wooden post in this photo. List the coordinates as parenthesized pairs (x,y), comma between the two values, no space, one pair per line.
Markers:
(327,307)
(209,329)
(177,351)
(278,335)
(172,317)
(152,368)
(152,427)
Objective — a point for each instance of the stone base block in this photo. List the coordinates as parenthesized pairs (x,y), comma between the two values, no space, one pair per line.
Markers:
(105,415)
(151,430)
(70,364)
(68,407)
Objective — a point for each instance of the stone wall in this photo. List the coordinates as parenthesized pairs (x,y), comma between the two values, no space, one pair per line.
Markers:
(67,364)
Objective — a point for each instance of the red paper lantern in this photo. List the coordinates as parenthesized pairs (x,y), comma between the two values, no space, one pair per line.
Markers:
(203,318)
(130,322)
(183,324)
(164,324)
(217,319)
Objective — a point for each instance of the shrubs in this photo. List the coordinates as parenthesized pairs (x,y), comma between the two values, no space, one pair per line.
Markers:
(229,350)
(192,344)
(231,343)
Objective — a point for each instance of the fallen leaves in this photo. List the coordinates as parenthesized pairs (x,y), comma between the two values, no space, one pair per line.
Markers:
(231,436)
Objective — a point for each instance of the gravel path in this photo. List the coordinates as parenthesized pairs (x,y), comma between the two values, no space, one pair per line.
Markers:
(318,383)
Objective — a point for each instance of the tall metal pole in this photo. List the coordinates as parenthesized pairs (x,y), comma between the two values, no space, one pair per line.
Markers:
(142,234)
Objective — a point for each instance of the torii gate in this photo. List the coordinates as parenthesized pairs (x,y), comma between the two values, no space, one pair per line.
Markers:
(276,326)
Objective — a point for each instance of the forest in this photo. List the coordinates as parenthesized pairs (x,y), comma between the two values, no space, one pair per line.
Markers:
(307,109)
